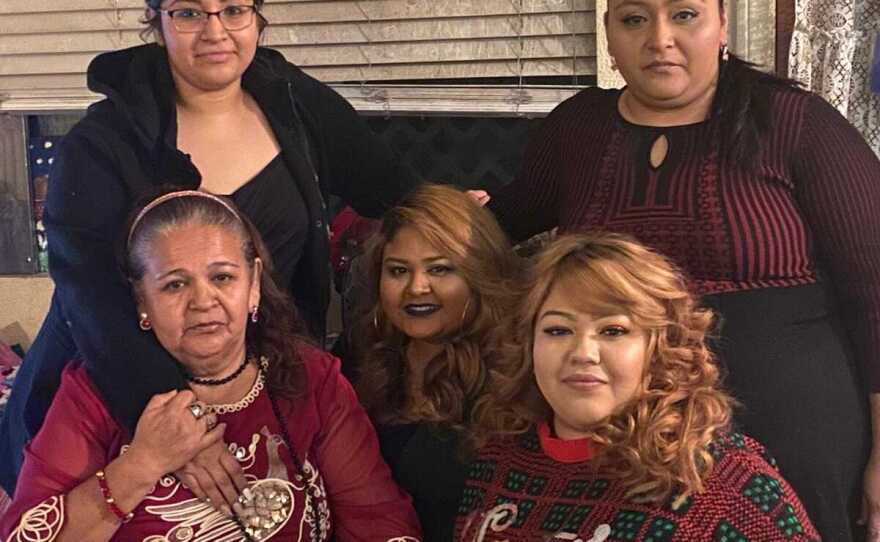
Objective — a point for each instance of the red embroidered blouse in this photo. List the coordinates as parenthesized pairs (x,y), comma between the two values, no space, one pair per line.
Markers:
(351,495)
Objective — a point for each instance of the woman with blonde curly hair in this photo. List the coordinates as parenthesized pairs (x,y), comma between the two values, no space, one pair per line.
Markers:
(439,279)
(608,423)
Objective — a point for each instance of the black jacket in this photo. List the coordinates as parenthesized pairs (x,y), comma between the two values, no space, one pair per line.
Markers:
(124,147)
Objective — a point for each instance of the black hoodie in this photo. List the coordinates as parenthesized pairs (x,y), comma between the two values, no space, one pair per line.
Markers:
(125,147)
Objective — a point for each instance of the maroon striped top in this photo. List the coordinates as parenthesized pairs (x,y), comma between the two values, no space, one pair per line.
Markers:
(810,207)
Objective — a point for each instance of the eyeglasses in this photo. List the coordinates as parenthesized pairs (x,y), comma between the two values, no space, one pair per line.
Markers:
(194,20)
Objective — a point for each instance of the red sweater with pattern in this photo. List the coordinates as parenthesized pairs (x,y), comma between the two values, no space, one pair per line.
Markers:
(534,487)
(810,205)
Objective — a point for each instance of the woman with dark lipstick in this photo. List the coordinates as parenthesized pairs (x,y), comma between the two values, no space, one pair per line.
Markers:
(767,198)
(440,275)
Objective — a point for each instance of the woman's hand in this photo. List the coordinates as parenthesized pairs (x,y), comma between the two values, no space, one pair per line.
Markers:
(871,498)
(480,196)
(215,475)
(168,435)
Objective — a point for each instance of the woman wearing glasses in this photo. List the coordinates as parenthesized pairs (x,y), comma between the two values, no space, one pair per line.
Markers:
(203,108)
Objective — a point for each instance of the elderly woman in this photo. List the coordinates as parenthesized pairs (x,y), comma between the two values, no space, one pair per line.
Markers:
(440,275)
(606,421)
(767,198)
(309,456)
(204,108)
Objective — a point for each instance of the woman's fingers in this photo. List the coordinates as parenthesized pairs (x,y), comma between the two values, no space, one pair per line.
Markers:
(481,196)
(871,499)
(873,521)
(212,470)
(210,420)
(160,399)
(234,471)
(212,493)
(225,485)
(213,436)
(191,483)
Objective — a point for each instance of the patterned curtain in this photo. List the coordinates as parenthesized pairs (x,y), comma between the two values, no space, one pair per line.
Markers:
(832,54)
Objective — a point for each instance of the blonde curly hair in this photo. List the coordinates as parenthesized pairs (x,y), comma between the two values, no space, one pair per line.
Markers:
(658,444)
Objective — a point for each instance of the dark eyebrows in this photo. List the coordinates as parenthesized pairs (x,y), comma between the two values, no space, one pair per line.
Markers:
(561,314)
(430,259)
(168,274)
(627,3)
(223,263)
(196,2)
(642,3)
(212,265)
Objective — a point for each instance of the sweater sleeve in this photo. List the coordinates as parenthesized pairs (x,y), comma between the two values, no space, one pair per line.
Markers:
(79,420)
(85,212)
(756,503)
(837,180)
(366,503)
(530,203)
(358,166)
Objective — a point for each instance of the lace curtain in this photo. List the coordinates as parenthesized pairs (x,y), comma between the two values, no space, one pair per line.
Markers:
(831,53)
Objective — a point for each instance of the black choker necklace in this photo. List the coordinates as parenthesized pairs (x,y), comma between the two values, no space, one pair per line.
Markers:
(219,381)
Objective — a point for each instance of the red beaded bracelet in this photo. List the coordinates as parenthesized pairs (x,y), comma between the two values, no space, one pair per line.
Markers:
(108,498)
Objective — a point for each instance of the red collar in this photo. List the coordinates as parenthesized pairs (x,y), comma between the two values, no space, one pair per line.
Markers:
(566,451)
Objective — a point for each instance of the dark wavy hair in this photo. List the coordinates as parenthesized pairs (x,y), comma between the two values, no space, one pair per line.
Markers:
(279,333)
(466,233)
(153,21)
(743,103)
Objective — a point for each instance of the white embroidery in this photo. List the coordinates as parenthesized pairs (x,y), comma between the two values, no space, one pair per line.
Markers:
(498,519)
(195,516)
(41,523)
(196,521)
(317,514)
(502,516)
(403,539)
(601,534)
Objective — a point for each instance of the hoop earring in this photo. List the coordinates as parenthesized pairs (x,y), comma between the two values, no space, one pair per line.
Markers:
(255,311)
(144,322)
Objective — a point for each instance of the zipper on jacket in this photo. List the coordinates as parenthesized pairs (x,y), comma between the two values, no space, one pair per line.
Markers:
(323,222)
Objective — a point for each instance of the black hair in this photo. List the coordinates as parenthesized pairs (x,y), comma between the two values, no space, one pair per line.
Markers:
(743,107)
(742,104)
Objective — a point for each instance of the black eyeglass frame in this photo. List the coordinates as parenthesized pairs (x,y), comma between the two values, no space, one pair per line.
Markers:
(203,21)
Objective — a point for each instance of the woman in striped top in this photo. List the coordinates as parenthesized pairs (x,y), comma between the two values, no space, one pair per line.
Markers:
(768,199)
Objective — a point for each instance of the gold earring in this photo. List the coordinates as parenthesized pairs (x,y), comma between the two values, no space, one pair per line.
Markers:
(144,322)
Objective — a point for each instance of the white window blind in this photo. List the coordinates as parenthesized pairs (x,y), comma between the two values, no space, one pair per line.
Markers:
(46,45)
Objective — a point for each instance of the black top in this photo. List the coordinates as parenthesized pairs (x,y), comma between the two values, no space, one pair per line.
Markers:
(425,461)
(276,208)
